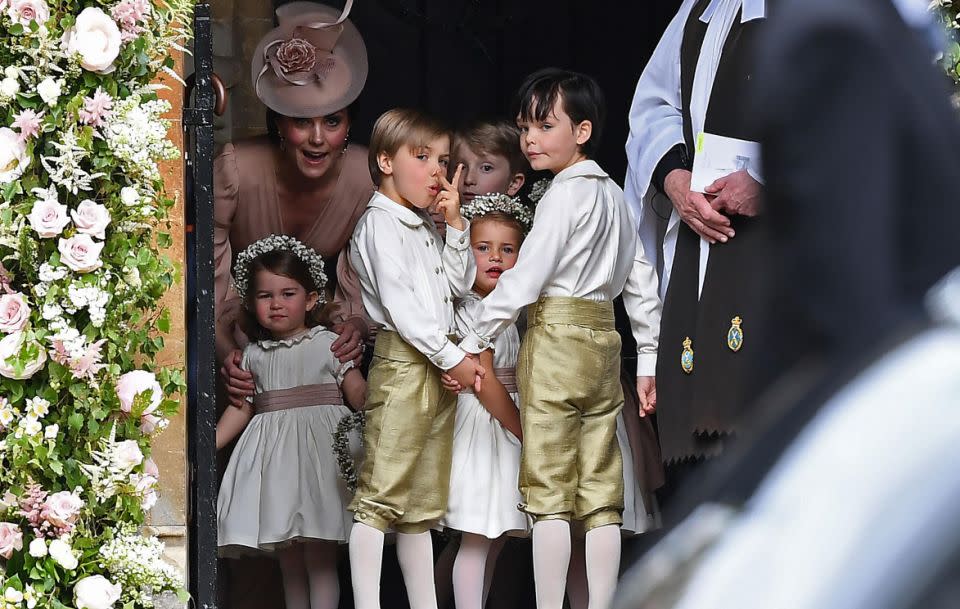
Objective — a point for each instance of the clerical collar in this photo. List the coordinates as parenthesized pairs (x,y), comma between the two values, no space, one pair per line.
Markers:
(752,9)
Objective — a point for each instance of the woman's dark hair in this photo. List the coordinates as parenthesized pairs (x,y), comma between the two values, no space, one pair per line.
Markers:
(580,96)
(286,264)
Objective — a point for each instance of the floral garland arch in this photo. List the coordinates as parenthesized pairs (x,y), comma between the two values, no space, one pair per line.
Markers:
(83,218)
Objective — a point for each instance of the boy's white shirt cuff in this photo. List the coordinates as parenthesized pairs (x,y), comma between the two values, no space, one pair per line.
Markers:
(448,357)
(646,364)
(459,239)
(473,343)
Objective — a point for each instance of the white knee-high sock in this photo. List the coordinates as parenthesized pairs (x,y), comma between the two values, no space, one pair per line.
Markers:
(577,576)
(551,557)
(366,561)
(321,562)
(415,554)
(469,570)
(296,590)
(602,555)
(491,569)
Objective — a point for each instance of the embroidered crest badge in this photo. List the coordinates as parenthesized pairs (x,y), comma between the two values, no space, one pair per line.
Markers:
(735,334)
(686,357)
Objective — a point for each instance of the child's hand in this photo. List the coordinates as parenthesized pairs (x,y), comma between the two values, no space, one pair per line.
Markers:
(647,392)
(468,373)
(450,384)
(448,200)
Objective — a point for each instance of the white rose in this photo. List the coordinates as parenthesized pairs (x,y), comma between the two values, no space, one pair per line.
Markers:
(48,218)
(80,253)
(61,509)
(61,552)
(128,455)
(14,312)
(91,218)
(129,195)
(11,72)
(38,547)
(148,501)
(25,11)
(13,155)
(96,37)
(51,431)
(133,383)
(11,539)
(11,347)
(96,592)
(9,87)
(50,90)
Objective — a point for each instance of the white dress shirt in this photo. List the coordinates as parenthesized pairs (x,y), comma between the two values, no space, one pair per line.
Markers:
(409,278)
(656,118)
(583,244)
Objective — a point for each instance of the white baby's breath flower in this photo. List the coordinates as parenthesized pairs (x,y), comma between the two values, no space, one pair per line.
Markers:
(51,311)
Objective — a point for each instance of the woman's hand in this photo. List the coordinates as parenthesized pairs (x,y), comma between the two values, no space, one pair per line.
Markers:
(349,344)
(448,200)
(239,382)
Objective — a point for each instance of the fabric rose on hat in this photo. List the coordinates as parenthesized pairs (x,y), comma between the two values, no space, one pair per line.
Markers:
(62,509)
(16,348)
(13,155)
(91,218)
(296,55)
(80,253)
(11,539)
(14,312)
(96,592)
(96,37)
(25,11)
(48,217)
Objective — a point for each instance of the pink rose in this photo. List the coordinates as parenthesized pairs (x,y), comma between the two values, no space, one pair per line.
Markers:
(296,55)
(91,218)
(150,468)
(11,539)
(80,253)
(14,312)
(127,455)
(62,509)
(25,11)
(132,384)
(48,218)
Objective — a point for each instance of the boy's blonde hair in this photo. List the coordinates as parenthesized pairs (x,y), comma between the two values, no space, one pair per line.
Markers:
(401,127)
(497,137)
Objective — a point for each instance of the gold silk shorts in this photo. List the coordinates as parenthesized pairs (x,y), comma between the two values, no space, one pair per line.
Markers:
(568,377)
(408,440)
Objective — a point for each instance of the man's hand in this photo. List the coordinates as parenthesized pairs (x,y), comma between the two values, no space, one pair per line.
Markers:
(737,194)
(468,373)
(647,391)
(349,345)
(695,209)
(239,382)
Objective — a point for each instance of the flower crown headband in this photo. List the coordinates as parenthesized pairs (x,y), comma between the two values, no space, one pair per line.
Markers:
(241,268)
(504,204)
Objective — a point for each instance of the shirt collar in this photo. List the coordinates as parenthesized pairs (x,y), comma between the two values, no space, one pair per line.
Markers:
(580,169)
(404,214)
(752,9)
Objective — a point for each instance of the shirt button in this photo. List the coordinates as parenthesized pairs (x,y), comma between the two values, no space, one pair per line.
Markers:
(437,270)
(462,239)
(427,242)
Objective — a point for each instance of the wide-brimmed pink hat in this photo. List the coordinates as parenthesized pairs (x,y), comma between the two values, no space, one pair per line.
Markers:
(313,64)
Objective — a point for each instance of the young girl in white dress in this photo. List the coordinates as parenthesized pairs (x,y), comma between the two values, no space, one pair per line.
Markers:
(281,492)
(483,496)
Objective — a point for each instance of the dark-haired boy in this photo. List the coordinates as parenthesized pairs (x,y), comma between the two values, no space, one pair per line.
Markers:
(582,253)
